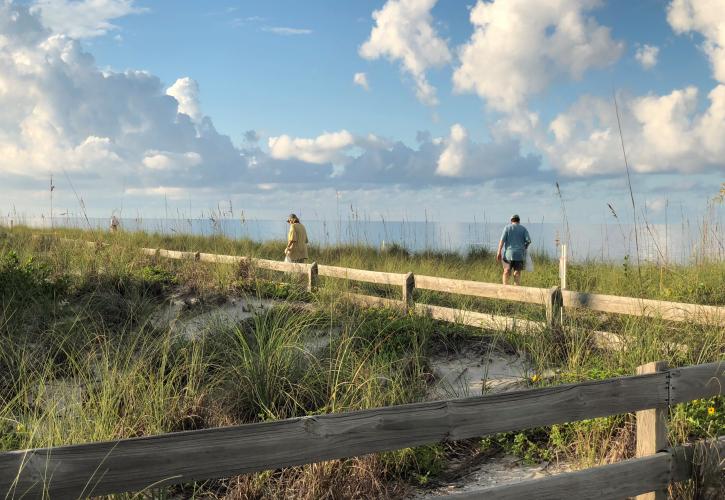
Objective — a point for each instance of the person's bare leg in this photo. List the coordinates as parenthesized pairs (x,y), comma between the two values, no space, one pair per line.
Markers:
(506,274)
(517,278)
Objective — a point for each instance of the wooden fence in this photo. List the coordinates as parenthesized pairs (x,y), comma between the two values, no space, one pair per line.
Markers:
(553,299)
(623,479)
(155,461)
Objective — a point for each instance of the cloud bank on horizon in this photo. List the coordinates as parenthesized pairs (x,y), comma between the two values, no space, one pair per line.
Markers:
(60,109)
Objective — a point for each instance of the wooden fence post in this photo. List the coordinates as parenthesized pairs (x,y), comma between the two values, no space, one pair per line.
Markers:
(554,307)
(652,429)
(408,288)
(562,267)
(312,277)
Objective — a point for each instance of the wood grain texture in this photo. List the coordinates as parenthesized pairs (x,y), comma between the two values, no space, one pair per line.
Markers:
(554,305)
(408,291)
(369,300)
(278,265)
(601,340)
(273,265)
(696,382)
(175,254)
(381,278)
(135,464)
(221,259)
(652,431)
(672,311)
(477,319)
(312,274)
(482,289)
(615,481)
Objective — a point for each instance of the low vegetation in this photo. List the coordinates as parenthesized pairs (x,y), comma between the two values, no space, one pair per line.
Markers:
(84,357)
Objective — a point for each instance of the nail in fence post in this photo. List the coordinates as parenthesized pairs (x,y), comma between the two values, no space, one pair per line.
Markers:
(652,429)
(312,277)
(554,306)
(408,288)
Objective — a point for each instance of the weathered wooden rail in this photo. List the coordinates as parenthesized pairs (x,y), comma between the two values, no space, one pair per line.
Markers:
(615,481)
(553,299)
(154,461)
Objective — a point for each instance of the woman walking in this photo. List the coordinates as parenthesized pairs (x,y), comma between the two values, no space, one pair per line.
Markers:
(297,241)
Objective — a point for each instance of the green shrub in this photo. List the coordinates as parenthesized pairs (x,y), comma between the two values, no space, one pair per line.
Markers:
(156,278)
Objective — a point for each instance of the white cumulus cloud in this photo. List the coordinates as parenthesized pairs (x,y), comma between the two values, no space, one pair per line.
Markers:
(662,133)
(453,157)
(708,18)
(61,110)
(518,47)
(326,148)
(647,55)
(164,160)
(681,131)
(361,79)
(186,92)
(404,32)
(462,158)
(83,18)
(674,132)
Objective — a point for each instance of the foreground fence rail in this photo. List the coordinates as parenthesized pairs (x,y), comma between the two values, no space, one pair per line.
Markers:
(154,461)
(615,481)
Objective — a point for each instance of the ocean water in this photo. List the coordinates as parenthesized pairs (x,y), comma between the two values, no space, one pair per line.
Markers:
(603,242)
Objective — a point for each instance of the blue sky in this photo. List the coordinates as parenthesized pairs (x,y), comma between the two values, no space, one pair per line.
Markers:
(480,107)
(301,85)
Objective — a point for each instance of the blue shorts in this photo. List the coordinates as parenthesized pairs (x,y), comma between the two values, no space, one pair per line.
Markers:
(516,265)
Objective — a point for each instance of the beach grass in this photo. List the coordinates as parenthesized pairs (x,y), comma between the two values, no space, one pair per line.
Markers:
(84,357)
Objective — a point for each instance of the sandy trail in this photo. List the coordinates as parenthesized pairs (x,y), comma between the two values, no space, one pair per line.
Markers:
(495,471)
(471,369)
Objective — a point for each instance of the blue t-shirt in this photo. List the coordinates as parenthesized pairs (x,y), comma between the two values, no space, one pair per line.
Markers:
(515,239)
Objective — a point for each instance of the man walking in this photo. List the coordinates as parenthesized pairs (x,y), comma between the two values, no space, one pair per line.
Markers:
(296,250)
(512,248)
(115,223)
